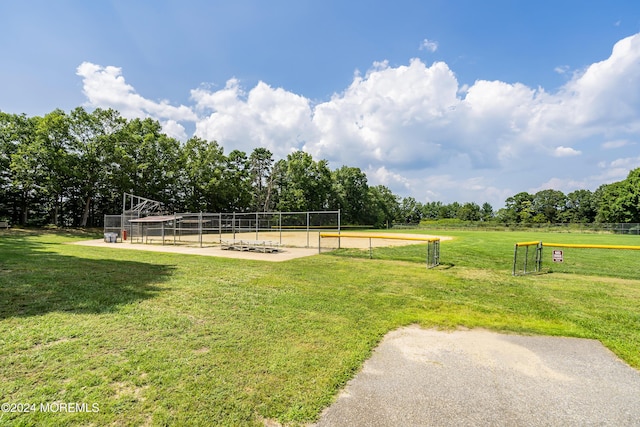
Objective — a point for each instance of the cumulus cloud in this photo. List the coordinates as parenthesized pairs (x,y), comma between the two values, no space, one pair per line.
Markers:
(105,87)
(394,116)
(263,117)
(607,93)
(387,178)
(410,126)
(174,129)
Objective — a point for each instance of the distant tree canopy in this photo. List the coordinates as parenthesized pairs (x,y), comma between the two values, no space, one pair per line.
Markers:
(69,169)
(618,202)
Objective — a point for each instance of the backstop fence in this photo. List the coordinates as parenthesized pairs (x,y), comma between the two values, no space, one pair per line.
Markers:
(206,229)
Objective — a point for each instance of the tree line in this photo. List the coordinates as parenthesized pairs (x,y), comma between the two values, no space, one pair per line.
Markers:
(618,202)
(69,169)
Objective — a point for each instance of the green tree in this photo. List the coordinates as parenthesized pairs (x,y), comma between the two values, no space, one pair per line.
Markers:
(449,211)
(619,201)
(41,168)
(431,210)
(237,182)
(54,152)
(384,206)
(486,212)
(303,184)
(469,211)
(580,207)
(16,133)
(410,211)
(152,161)
(548,205)
(351,194)
(260,166)
(94,138)
(201,184)
(518,208)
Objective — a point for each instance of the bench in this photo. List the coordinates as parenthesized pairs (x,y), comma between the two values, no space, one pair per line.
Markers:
(264,246)
(4,224)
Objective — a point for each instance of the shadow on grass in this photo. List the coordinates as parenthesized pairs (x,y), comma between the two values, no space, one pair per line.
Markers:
(34,281)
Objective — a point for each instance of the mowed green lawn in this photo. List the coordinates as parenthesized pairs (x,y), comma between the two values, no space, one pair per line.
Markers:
(165,339)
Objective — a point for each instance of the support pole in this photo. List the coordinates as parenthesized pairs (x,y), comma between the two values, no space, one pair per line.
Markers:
(428,258)
(200,228)
(307,229)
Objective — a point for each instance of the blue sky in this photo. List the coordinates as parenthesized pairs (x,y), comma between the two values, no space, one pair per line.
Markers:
(439,100)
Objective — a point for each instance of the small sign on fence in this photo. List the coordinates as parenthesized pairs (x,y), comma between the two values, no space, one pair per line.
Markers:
(557,256)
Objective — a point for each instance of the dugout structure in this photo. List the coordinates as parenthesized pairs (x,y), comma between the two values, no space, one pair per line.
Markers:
(133,208)
(146,221)
(433,243)
(528,256)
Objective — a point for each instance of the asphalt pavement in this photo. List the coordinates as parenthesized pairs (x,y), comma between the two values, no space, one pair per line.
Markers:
(420,377)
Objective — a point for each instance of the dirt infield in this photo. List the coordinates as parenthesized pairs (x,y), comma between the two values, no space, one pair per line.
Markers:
(293,244)
(284,255)
(311,239)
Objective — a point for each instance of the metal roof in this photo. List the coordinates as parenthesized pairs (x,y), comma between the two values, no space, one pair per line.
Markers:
(156,219)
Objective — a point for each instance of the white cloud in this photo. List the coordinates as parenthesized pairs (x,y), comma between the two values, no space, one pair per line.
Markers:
(561,184)
(626,163)
(396,116)
(565,152)
(383,176)
(263,117)
(607,94)
(415,128)
(618,143)
(174,130)
(561,69)
(429,45)
(105,87)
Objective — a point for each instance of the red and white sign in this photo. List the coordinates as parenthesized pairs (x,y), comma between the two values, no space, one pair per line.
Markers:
(557,256)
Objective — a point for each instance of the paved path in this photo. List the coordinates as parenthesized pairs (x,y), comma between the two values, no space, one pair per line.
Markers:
(419,377)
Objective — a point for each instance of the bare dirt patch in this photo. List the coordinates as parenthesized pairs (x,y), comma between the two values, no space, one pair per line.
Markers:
(293,244)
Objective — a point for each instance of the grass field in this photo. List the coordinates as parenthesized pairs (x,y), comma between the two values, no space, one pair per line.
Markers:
(167,339)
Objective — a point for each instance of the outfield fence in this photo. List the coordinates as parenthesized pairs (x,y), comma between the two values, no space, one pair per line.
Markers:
(612,228)
(433,243)
(528,256)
